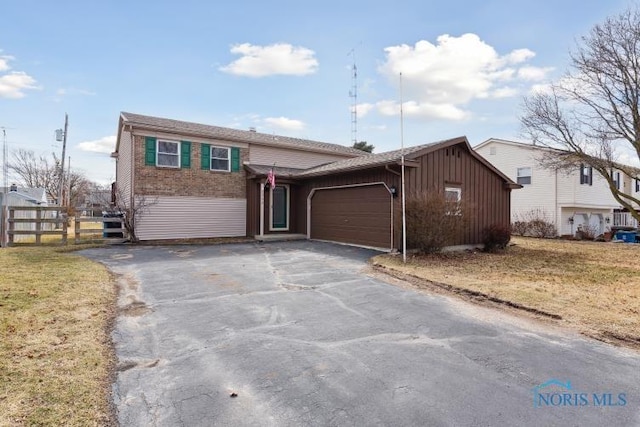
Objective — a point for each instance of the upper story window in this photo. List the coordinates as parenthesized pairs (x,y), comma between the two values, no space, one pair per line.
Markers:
(524,176)
(637,185)
(220,159)
(586,174)
(615,176)
(168,153)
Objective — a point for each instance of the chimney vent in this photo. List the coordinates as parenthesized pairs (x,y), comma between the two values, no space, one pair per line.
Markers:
(252,129)
(13,188)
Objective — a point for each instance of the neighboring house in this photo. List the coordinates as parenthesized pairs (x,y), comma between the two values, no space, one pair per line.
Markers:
(208,181)
(571,200)
(15,196)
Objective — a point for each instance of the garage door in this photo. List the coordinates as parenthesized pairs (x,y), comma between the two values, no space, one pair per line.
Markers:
(357,215)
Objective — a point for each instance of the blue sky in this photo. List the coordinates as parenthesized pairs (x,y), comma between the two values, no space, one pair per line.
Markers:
(281,66)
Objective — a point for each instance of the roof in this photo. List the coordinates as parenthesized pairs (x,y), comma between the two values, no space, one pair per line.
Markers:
(37,195)
(280,171)
(229,134)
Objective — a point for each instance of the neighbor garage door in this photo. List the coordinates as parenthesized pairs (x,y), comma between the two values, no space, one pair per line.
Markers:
(357,215)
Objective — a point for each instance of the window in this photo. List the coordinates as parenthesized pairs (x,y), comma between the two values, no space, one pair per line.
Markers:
(168,154)
(220,159)
(615,176)
(586,174)
(453,194)
(637,185)
(524,176)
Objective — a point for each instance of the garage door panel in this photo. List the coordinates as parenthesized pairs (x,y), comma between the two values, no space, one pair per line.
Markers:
(357,215)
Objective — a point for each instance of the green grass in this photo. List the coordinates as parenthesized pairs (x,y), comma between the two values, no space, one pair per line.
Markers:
(55,352)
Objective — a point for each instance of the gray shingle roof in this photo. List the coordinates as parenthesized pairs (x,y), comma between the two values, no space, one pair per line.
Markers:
(197,129)
(365,162)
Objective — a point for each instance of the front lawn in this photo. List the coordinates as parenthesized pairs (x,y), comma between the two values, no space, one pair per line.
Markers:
(592,286)
(55,352)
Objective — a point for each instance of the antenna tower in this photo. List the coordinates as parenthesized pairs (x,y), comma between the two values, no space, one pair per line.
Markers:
(353,94)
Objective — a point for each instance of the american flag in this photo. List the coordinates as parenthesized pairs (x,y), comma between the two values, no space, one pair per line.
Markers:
(271,178)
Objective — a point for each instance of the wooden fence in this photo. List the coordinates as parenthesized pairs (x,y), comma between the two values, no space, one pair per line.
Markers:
(54,221)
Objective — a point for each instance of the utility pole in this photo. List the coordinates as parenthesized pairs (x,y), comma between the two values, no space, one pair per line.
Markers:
(64,148)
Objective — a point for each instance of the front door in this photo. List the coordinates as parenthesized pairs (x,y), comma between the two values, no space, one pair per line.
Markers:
(279,208)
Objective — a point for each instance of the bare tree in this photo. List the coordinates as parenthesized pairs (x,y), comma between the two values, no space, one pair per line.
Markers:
(131,209)
(44,172)
(592,114)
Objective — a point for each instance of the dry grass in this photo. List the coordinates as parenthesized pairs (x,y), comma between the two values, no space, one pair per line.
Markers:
(592,286)
(55,352)
(56,239)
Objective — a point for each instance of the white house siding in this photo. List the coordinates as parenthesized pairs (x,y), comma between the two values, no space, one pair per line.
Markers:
(124,165)
(262,155)
(559,195)
(539,195)
(192,217)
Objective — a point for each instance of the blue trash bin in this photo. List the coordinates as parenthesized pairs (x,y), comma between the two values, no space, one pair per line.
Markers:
(626,236)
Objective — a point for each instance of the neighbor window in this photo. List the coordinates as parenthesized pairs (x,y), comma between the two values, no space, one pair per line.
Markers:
(615,176)
(524,176)
(168,154)
(637,185)
(586,174)
(220,159)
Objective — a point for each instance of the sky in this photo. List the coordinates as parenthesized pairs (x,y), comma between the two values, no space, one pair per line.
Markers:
(283,67)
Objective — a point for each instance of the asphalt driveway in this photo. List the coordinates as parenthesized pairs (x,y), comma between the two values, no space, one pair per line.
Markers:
(304,336)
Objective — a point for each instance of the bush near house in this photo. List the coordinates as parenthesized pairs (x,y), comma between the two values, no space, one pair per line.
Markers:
(433,221)
(496,237)
(534,223)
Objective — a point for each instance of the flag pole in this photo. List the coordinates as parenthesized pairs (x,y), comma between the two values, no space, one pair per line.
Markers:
(402,186)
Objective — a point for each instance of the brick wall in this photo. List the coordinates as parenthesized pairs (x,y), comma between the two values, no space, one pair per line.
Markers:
(158,181)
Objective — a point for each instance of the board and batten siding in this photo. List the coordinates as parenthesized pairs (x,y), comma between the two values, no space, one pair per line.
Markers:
(192,217)
(124,166)
(261,155)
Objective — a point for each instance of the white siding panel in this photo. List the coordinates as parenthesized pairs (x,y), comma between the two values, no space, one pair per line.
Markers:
(124,165)
(193,217)
(260,155)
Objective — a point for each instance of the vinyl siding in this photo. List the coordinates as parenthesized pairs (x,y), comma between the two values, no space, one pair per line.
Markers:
(124,166)
(192,217)
(261,155)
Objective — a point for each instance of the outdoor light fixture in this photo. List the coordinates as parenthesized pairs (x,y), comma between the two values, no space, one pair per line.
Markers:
(570,220)
(394,191)
(608,220)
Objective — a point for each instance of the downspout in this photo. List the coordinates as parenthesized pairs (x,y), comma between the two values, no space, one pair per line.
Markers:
(261,209)
(558,223)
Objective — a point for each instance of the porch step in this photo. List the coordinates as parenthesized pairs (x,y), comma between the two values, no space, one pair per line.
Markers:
(280,237)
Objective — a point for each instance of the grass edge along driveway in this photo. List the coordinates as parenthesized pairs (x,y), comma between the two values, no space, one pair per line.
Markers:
(56,357)
(591,286)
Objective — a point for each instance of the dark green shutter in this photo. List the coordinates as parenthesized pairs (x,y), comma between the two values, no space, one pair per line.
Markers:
(235,159)
(205,156)
(185,154)
(149,151)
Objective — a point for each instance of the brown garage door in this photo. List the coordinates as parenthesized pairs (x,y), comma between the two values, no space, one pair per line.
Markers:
(357,215)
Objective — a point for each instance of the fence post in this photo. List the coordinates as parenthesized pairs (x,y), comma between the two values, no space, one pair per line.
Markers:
(65,219)
(11,225)
(76,229)
(38,226)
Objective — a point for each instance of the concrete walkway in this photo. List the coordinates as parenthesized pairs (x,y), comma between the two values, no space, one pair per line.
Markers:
(303,337)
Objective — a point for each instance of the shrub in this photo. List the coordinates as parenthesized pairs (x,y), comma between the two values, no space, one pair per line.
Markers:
(543,229)
(520,228)
(433,221)
(495,237)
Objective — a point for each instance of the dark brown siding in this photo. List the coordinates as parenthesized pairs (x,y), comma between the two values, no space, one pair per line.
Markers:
(253,209)
(358,215)
(484,190)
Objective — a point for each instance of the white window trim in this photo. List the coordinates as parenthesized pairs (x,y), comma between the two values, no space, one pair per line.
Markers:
(158,141)
(271,227)
(457,190)
(530,176)
(228,159)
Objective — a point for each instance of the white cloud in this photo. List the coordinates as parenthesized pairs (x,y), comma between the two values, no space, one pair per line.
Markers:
(363,109)
(279,58)
(284,123)
(534,73)
(13,84)
(106,144)
(74,91)
(441,78)
(4,62)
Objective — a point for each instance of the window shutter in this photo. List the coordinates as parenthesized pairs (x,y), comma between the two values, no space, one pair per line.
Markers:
(582,173)
(205,156)
(149,151)
(590,175)
(235,159)
(185,154)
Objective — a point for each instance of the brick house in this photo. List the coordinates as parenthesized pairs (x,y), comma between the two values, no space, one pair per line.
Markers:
(208,181)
